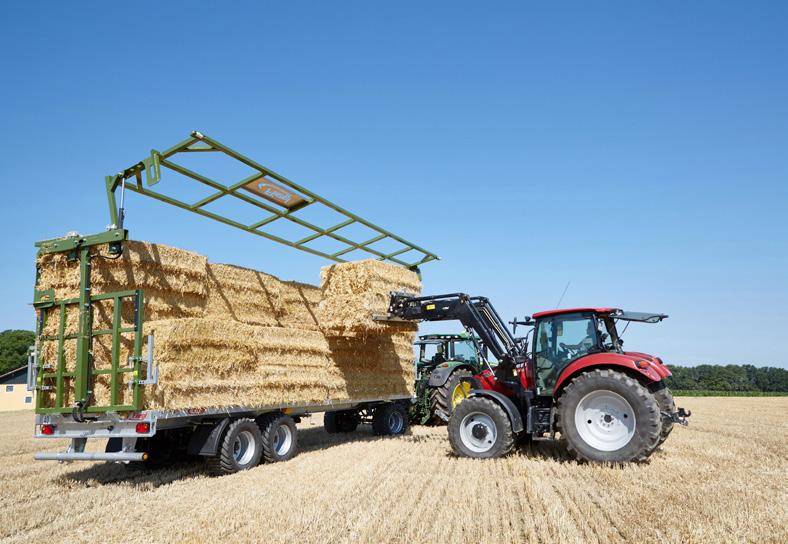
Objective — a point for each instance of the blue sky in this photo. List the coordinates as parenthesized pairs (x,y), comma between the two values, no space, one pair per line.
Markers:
(639,152)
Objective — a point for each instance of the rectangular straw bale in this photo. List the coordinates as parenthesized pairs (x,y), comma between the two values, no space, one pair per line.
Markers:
(243,295)
(298,305)
(371,366)
(173,280)
(354,292)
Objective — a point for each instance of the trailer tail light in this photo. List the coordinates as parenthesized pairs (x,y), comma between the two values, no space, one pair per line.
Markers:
(142,428)
(48,429)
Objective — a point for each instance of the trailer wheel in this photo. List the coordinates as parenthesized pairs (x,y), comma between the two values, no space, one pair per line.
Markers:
(389,419)
(606,416)
(239,449)
(480,428)
(280,438)
(344,421)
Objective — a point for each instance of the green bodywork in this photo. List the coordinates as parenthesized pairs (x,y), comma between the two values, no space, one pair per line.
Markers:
(276,197)
(422,410)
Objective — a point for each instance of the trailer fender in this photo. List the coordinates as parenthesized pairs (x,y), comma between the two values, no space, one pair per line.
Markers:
(506,403)
(205,438)
(439,376)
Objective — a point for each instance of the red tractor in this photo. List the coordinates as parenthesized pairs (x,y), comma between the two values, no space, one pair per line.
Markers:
(609,405)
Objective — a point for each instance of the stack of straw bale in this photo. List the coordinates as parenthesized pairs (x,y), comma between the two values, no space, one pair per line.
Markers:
(226,335)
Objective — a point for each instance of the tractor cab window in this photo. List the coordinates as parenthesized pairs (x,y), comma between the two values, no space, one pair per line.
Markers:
(559,341)
(466,352)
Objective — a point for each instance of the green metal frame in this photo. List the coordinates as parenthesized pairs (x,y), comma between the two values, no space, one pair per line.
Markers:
(84,374)
(158,160)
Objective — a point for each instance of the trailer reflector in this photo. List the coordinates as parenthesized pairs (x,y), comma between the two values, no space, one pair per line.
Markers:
(142,428)
(48,429)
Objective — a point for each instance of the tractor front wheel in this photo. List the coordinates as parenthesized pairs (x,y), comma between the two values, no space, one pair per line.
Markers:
(607,416)
(446,397)
(480,428)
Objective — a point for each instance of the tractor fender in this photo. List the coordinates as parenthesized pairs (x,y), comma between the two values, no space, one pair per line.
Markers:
(505,402)
(648,369)
(206,437)
(439,376)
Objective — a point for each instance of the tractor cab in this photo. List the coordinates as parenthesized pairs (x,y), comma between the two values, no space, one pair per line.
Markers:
(436,349)
(564,337)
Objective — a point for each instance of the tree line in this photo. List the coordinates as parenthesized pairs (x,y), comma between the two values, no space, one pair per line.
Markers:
(737,378)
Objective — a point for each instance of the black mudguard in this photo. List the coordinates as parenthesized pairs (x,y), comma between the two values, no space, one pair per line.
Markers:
(506,403)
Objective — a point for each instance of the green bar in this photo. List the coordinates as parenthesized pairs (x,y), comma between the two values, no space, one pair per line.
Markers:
(363,244)
(182,205)
(293,185)
(400,252)
(113,207)
(226,190)
(140,310)
(328,230)
(116,318)
(179,147)
(83,339)
(61,357)
(265,221)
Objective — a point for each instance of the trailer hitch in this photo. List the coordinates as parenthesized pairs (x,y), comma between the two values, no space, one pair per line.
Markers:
(680,416)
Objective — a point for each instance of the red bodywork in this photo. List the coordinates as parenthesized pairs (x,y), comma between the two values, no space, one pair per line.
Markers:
(651,368)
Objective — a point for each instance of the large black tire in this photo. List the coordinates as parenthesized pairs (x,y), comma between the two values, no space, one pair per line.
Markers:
(344,421)
(611,436)
(666,403)
(441,398)
(479,427)
(280,438)
(239,449)
(390,419)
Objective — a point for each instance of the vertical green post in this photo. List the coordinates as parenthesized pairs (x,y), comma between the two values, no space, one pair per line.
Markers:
(61,356)
(138,319)
(83,371)
(116,318)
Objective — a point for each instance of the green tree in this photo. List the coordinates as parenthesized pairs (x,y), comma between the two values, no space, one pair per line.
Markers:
(13,349)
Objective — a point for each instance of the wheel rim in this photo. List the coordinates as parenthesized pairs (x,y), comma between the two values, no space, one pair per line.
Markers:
(478,432)
(395,422)
(460,393)
(243,448)
(283,440)
(605,420)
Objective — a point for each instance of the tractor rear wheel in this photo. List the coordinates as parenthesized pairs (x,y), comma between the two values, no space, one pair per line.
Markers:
(480,428)
(444,399)
(666,404)
(606,416)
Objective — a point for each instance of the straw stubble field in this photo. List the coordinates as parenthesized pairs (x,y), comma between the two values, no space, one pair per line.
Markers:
(723,479)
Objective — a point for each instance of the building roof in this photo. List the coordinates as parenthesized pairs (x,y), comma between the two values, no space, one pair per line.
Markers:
(18,375)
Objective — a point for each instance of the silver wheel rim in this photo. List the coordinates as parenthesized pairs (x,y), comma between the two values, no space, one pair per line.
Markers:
(478,432)
(396,422)
(243,448)
(283,439)
(605,420)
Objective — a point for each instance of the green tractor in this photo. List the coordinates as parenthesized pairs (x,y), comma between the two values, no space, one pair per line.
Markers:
(444,360)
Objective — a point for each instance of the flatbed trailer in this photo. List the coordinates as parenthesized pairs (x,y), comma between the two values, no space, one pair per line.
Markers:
(231,437)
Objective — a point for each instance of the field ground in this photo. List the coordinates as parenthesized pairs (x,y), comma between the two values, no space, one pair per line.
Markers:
(722,479)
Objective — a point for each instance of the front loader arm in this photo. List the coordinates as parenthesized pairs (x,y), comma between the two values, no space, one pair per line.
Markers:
(475,314)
